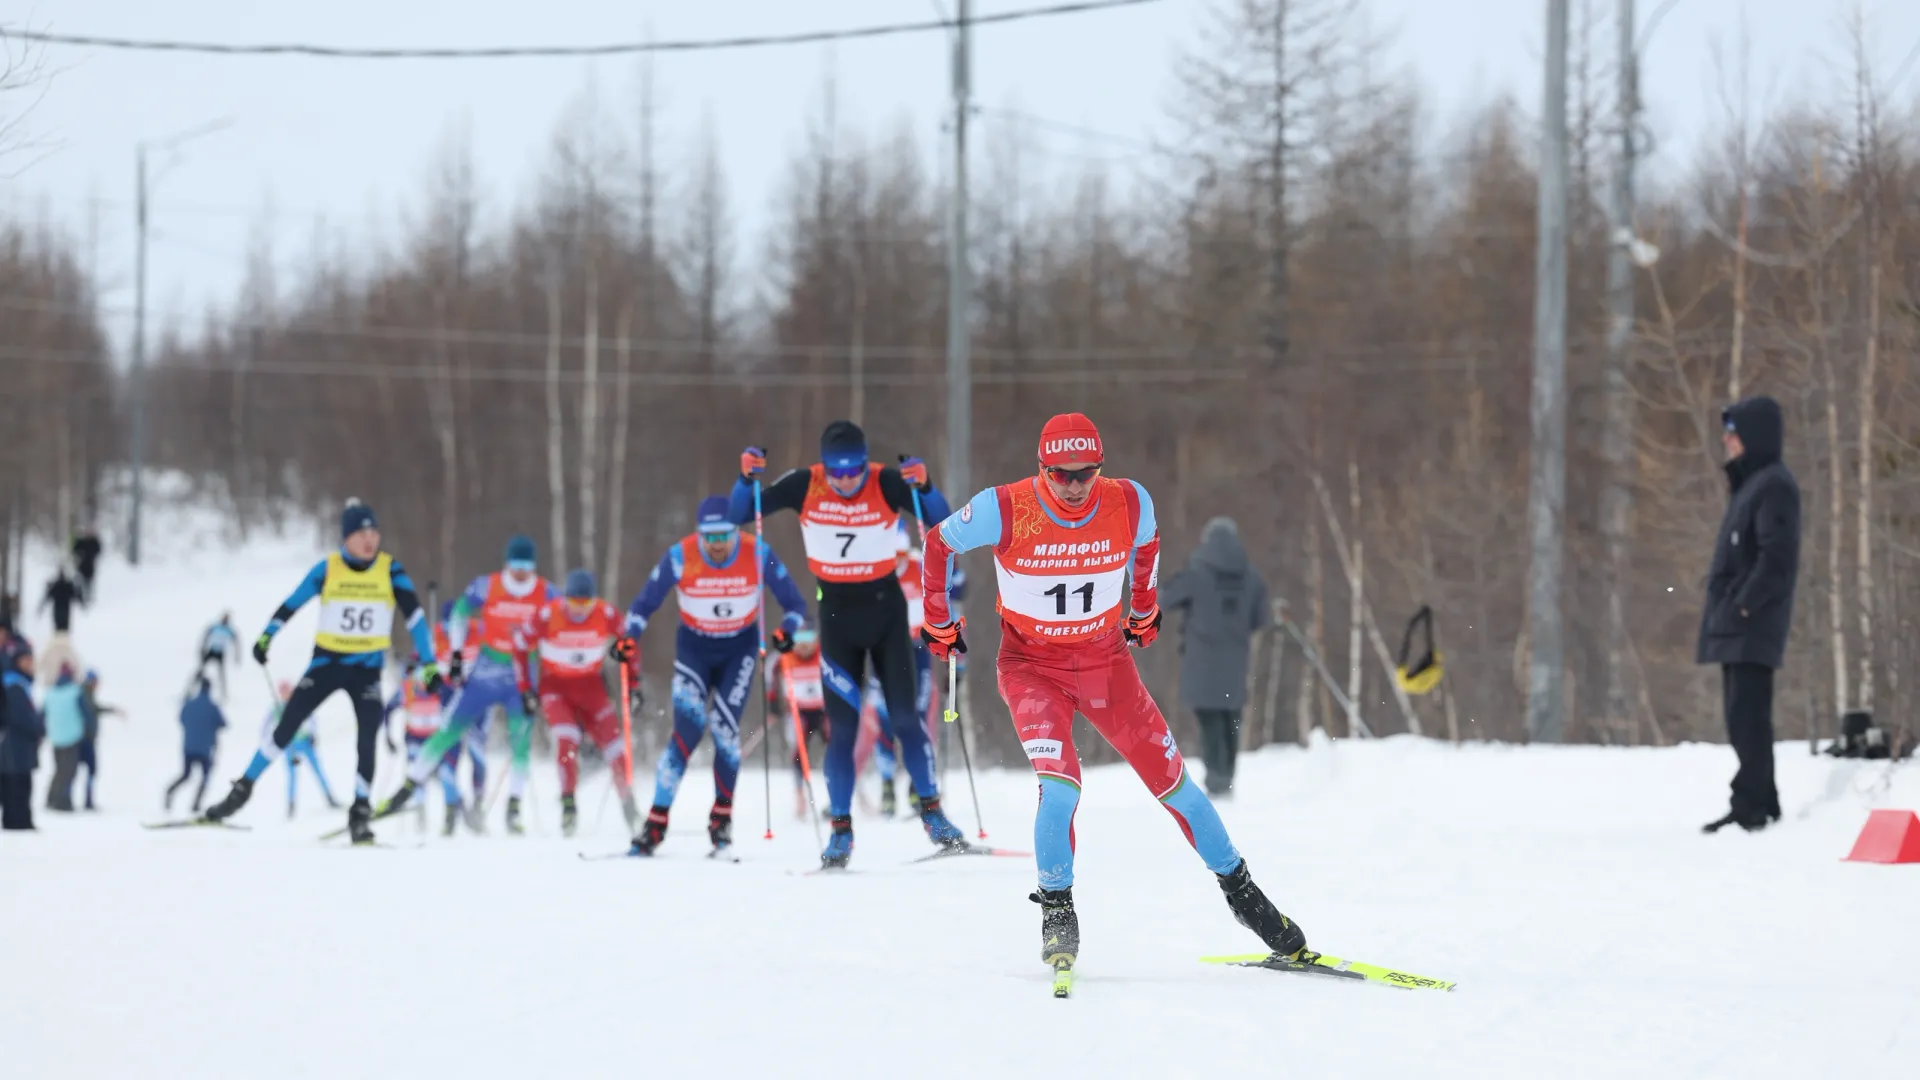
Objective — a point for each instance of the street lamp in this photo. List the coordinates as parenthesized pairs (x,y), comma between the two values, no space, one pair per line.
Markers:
(141,183)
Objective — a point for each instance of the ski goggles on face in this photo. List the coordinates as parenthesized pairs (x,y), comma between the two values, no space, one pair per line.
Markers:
(1062,475)
(718,536)
(520,566)
(846,472)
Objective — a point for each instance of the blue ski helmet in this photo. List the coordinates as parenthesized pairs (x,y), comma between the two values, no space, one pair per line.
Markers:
(520,549)
(580,585)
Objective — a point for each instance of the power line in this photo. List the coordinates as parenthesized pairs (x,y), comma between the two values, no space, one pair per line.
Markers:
(338,52)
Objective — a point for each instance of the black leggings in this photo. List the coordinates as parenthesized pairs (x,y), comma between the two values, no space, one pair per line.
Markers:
(858,624)
(362,685)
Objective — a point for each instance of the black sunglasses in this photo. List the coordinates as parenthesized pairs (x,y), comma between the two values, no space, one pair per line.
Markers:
(1068,476)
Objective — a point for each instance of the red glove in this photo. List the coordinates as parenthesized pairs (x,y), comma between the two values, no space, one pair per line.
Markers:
(944,641)
(914,472)
(1142,629)
(753,462)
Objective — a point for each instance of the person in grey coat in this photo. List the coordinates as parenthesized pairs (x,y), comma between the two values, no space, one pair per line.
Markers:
(20,733)
(1223,603)
(1749,608)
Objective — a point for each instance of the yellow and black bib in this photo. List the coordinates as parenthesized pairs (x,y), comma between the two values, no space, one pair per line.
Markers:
(356,606)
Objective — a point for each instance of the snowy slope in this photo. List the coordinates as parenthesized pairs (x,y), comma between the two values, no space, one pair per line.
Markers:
(1593,932)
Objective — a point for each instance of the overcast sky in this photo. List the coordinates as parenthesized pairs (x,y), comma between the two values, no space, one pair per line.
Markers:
(350,141)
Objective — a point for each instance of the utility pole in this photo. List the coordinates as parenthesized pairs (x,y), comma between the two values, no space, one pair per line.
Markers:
(959,275)
(138,452)
(139,449)
(1616,500)
(1547,491)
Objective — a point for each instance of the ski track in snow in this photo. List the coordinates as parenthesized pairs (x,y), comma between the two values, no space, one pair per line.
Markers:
(1592,931)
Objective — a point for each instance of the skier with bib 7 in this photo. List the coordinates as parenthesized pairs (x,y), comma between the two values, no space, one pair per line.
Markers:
(850,509)
(1077,555)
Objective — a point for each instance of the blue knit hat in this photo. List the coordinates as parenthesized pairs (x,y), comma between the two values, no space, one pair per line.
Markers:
(356,516)
(520,549)
(580,585)
(712,516)
(843,445)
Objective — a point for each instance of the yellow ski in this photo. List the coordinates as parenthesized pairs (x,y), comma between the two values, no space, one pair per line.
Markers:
(1062,976)
(1312,963)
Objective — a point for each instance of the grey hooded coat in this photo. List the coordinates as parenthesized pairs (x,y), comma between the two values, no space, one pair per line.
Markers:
(1223,603)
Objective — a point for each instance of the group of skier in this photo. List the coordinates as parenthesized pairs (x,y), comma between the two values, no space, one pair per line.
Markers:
(1076,561)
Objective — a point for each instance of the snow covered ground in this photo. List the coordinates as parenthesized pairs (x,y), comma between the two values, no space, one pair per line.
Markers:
(1592,931)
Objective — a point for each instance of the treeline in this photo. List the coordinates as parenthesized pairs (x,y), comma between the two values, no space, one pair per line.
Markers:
(58,422)
(1304,312)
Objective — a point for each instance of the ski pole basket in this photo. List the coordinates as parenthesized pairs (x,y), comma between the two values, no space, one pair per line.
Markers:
(1419,674)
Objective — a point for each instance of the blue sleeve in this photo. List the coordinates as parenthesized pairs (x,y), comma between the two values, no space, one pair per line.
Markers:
(976,526)
(665,576)
(415,612)
(1148,526)
(740,501)
(934,507)
(785,591)
(308,588)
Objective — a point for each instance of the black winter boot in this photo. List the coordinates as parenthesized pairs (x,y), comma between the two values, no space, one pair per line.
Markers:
(720,825)
(1253,910)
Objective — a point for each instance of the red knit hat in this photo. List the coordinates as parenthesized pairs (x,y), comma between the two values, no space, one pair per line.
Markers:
(1070,439)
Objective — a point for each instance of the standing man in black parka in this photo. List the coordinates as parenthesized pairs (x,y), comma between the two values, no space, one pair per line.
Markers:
(1749,609)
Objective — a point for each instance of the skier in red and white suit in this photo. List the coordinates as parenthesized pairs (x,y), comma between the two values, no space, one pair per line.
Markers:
(572,637)
(1076,556)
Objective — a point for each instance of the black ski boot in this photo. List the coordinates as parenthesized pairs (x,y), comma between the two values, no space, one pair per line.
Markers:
(236,798)
(1059,926)
(889,802)
(514,828)
(1253,910)
(720,825)
(398,799)
(569,815)
(651,833)
(453,820)
(359,822)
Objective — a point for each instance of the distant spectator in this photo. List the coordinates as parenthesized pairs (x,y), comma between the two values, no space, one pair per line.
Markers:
(62,593)
(219,646)
(200,723)
(86,557)
(20,731)
(89,746)
(1224,602)
(64,713)
(13,645)
(1750,586)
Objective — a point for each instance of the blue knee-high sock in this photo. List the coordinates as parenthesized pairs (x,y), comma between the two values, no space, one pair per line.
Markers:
(1053,831)
(1201,822)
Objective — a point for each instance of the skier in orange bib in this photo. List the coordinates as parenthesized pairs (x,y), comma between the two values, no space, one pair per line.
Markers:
(1076,555)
